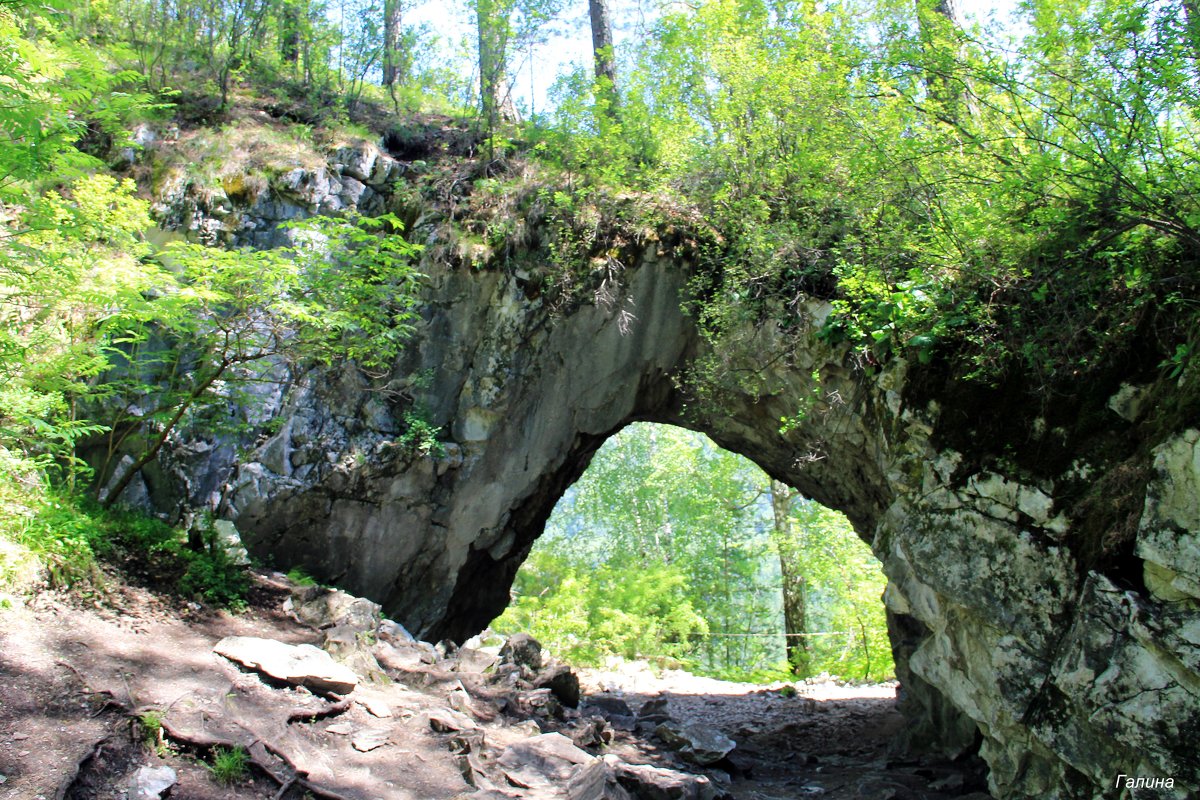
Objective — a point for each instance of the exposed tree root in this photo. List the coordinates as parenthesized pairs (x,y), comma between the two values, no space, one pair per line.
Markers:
(331,710)
(269,758)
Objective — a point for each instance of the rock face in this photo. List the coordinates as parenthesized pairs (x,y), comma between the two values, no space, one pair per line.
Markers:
(1043,560)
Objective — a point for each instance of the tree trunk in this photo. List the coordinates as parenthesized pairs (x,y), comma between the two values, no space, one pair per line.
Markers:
(392,61)
(795,587)
(493,40)
(152,452)
(934,19)
(602,44)
(1191,20)
(289,38)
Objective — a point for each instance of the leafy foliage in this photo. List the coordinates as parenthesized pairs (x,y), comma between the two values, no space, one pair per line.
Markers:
(662,552)
(844,587)
(1010,203)
(343,291)
(52,537)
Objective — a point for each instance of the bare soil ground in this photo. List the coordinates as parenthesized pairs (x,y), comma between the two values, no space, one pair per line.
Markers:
(828,739)
(75,676)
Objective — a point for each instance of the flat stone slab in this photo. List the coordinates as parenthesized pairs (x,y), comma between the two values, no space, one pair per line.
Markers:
(551,766)
(696,743)
(656,783)
(299,665)
(366,741)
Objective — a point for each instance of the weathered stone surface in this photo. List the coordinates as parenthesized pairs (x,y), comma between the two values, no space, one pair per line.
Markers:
(357,162)
(698,744)
(646,782)
(523,650)
(375,704)
(1169,533)
(471,660)
(151,783)
(655,711)
(444,720)
(350,625)
(551,766)
(300,665)
(405,657)
(562,683)
(610,705)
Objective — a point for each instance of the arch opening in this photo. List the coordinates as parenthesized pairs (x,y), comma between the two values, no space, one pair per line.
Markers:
(670,549)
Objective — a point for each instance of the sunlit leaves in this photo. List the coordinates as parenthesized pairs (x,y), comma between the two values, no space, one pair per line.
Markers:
(662,550)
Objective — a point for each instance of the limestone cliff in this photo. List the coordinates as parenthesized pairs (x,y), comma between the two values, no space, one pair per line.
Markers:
(1044,561)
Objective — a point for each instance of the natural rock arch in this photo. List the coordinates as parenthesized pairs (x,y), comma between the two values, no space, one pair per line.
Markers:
(1042,563)
(998,628)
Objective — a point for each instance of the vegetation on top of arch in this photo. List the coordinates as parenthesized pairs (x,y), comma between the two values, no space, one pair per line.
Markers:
(956,192)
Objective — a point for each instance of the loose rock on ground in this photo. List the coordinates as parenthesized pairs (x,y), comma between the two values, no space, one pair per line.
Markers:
(414,721)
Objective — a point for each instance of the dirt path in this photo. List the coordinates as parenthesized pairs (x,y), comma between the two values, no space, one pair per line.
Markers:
(825,740)
(74,676)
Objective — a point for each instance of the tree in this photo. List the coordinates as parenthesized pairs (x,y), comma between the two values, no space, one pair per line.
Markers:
(663,519)
(393,59)
(292,16)
(231,33)
(938,22)
(344,292)
(787,544)
(602,48)
(845,625)
(492,24)
(499,24)
(1191,18)
(73,284)
(665,502)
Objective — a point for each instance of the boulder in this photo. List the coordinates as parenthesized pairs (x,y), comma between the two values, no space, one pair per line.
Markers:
(473,660)
(368,740)
(523,650)
(352,191)
(322,607)
(299,665)
(593,732)
(404,657)
(610,705)
(393,632)
(614,709)
(382,171)
(562,683)
(540,703)
(358,163)
(151,783)
(654,711)
(550,766)
(695,743)
(646,782)
(444,720)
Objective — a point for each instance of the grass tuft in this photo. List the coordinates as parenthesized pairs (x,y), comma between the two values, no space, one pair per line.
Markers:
(229,766)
